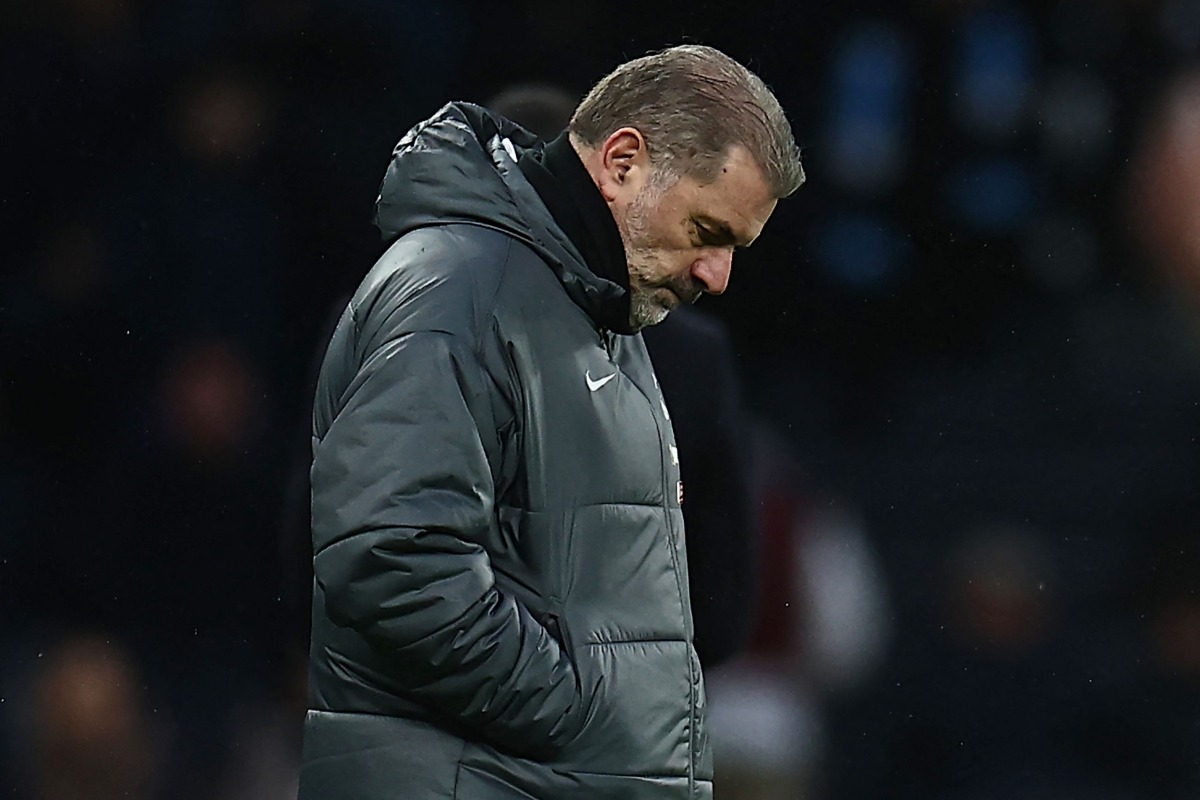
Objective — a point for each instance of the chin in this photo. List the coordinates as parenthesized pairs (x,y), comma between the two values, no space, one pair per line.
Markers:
(647,314)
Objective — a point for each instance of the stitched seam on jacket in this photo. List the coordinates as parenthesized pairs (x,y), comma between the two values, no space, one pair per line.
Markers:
(639,776)
(620,504)
(604,642)
(458,772)
(345,537)
(491,304)
(492,775)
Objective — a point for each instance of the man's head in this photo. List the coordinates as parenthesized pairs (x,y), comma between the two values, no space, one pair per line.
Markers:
(691,151)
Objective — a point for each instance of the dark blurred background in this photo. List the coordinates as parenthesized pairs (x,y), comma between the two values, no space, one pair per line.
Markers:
(970,345)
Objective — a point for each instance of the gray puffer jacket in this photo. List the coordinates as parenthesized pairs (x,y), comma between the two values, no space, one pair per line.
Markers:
(500,608)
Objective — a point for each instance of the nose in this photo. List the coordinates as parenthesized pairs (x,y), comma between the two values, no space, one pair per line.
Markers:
(712,269)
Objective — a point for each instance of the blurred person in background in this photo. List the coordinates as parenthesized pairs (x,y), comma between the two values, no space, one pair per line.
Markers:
(90,731)
(991,698)
(501,597)
(185,578)
(1164,199)
(820,632)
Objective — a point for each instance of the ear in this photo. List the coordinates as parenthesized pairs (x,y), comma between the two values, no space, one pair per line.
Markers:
(624,163)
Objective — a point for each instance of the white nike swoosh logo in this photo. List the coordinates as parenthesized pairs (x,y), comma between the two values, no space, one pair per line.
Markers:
(593,385)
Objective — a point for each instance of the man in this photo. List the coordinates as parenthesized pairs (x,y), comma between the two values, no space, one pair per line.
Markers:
(500,606)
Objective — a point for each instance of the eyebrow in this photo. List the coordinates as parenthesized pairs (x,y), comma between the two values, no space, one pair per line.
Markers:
(720,232)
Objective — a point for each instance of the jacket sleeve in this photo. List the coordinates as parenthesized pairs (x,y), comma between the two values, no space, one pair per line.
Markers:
(403,497)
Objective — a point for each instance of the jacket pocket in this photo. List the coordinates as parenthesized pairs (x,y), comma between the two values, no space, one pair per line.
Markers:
(556,626)
(641,711)
(553,624)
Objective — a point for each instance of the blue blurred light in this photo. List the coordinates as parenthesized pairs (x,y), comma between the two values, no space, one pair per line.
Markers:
(863,252)
(869,96)
(995,71)
(992,196)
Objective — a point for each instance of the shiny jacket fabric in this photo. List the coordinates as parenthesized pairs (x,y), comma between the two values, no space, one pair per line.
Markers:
(500,607)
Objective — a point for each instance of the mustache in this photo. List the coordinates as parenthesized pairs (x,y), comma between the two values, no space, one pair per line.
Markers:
(686,290)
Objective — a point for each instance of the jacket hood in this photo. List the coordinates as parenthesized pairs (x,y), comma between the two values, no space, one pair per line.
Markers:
(460,166)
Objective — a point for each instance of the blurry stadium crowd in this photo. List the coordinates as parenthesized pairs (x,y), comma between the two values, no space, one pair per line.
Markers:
(971,343)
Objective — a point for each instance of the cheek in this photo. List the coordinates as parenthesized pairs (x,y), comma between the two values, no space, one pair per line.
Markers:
(658,225)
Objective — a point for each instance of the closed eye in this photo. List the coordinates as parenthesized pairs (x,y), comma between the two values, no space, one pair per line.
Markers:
(713,238)
(716,234)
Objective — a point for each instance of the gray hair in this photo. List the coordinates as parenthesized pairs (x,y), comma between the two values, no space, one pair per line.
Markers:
(692,104)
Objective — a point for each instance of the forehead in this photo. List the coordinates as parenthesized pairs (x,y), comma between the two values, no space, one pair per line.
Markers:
(738,198)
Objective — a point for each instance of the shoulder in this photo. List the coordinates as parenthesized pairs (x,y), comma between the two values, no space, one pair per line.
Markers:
(441,278)
(433,287)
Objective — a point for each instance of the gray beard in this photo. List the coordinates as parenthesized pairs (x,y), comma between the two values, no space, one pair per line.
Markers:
(644,308)
(644,311)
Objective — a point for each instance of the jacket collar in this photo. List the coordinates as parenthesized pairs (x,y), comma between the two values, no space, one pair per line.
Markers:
(565,186)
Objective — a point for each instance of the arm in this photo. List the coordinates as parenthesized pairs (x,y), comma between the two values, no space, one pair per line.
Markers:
(403,498)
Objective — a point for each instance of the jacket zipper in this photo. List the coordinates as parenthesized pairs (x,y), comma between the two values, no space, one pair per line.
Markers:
(606,341)
(674,543)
